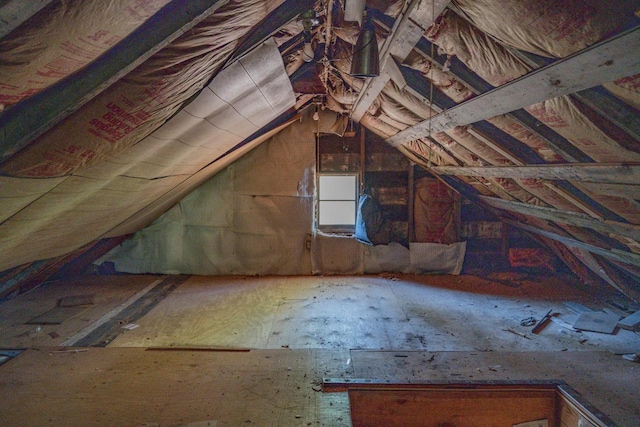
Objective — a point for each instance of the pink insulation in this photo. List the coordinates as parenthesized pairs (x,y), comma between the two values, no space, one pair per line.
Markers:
(491,61)
(548,27)
(135,106)
(563,116)
(62,38)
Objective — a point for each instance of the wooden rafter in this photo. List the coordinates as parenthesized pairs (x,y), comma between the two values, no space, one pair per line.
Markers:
(613,254)
(15,12)
(611,173)
(405,34)
(565,217)
(593,66)
(20,125)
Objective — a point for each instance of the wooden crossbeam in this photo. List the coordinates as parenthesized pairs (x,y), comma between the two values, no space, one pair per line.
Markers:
(613,254)
(477,85)
(565,217)
(597,64)
(610,173)
(404,35)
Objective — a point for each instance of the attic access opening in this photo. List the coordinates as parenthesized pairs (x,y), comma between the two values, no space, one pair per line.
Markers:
(466,403)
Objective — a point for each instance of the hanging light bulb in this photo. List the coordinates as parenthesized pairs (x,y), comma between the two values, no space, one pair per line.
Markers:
(365,61)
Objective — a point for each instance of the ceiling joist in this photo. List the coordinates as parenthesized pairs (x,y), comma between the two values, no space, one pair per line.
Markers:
(613,254)
(612,173)
(565,217)
(593,66)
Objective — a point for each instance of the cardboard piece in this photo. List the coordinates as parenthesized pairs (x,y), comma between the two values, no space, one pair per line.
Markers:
(597,321)
(630,322)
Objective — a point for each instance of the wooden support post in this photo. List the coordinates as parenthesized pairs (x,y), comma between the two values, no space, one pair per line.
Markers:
(410,205)
(363,159)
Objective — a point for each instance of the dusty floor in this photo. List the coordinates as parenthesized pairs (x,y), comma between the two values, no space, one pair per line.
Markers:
(286,334)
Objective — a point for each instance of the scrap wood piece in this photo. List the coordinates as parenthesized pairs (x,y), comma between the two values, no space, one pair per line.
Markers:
(597,321)
(542,323)
(576,307)
(520,334)
(630,322)
(75,350)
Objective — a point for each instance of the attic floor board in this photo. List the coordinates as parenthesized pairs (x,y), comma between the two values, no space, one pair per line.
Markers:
(131,386)
(299,330)
(433,313)
(108,292)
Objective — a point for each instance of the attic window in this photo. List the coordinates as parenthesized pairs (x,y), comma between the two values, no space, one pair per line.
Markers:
(337,202)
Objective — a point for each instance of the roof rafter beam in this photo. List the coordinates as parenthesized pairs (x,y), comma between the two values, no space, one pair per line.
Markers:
(20,125)
(511,148)
(565,217)
(281,16)
(613,254)
(406,32)
(601,63)
(15,12)
(612,173)
(476,84)
(621,114)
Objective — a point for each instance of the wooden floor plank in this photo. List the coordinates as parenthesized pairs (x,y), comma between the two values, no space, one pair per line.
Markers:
(131,386)
(417,408)
(109,291)
(299,330)
(430,313)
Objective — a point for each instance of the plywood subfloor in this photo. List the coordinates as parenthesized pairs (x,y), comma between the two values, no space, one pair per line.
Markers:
(299,330)
(131,386)
(433,313)
(108,291)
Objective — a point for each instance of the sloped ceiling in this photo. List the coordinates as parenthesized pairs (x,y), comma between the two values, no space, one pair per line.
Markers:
(530,108)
